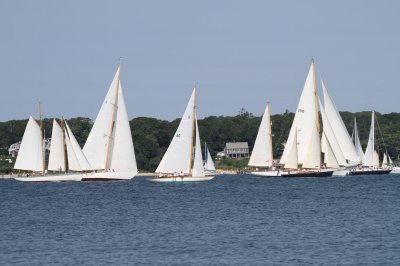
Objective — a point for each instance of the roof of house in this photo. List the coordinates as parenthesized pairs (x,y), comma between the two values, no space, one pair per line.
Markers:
(237,145)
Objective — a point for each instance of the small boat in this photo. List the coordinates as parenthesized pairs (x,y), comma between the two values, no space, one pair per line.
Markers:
(178,164)
(302,154)
(261,157)
(209,166)
(66,160)
(109,146)
(370,164)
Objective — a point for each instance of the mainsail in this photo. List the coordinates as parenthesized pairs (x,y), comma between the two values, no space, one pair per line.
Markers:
(178,156)
(109,145)
(305,127)
(261,155)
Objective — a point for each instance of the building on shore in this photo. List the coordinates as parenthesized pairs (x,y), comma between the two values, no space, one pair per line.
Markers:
(237,150)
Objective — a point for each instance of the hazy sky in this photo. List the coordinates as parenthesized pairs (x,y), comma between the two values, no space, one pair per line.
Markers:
(242,54)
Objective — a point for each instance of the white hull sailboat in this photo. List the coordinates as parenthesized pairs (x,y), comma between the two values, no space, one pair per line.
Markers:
(370,164)
(261,156)
(336,139)
(302,154)
(209,166)
(178,164)
(109,147)
(66,160)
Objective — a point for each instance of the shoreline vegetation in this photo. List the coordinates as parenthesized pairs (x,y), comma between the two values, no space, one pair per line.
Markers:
(151,136)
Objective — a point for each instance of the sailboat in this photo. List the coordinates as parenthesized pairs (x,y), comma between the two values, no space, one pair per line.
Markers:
(338,136)
(66,160)
(209,166)
(109,146)
(370,164)
(302,154)
(178,164)
(261,156)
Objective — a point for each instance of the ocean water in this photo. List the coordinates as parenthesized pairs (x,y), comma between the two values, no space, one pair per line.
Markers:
(231,220)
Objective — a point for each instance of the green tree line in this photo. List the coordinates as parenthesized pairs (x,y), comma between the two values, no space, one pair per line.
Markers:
(152,136)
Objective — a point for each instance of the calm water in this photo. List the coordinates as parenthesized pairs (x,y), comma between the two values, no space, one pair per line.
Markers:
(230,220)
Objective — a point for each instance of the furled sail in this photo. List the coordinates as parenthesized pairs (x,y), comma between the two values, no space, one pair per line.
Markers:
(57,154)
(30,155)
(177,158)
(261,155)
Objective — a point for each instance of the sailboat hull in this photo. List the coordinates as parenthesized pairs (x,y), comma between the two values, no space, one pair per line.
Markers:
(370,172)
(307,174)
(50,178)
(181,179)
(108,176)
(266,173)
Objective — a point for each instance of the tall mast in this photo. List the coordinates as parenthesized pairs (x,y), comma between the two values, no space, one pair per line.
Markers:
(193,129)
(112,120)
(42,137)
(270,134)
(315,96)
(64,143)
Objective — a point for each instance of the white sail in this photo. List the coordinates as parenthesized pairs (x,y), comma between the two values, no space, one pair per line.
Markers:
(74,151)
(177,158)
(198,169)
(330,158)
(385,160)
(57,154)
(261,155)
(97,143)
(390,159)
(376,159)
(304,121)
(339,128)
(30,155)
(209,164)
(369,152)
(292,159)
(122,153)
(313,157)
(73,162)
(357,143)
(330,136)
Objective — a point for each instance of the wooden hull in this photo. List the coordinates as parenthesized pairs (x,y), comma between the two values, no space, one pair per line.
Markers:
(181,179)
(371,172)
(307,174)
